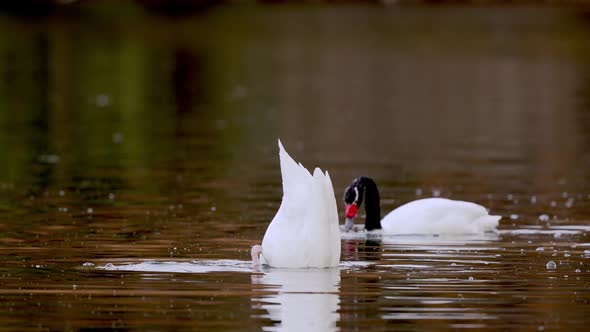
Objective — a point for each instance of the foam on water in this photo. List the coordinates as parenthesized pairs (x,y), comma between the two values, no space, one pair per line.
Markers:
(358,233)
(198,266)
(206,266)
(406,266)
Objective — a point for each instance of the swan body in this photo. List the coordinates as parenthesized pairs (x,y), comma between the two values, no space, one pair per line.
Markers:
(304,232)
(439,216)
(423,216)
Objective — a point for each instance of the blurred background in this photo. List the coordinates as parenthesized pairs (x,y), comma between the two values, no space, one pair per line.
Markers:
(148,129)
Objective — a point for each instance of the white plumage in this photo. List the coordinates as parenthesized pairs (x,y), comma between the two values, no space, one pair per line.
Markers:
(439,216)
(304,232)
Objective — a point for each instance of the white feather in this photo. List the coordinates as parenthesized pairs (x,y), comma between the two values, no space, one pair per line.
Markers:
(304,232)
(439,216)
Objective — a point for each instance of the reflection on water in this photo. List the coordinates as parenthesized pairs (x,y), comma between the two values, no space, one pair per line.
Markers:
(306,300)
(129,137)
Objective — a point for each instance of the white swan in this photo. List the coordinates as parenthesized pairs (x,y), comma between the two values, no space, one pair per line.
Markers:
(304,232)
(423,216)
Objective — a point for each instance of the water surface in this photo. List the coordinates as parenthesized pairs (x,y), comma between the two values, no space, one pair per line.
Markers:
(149,143)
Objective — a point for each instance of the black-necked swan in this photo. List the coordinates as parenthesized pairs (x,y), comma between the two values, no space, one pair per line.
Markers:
(423,216)
(305,231)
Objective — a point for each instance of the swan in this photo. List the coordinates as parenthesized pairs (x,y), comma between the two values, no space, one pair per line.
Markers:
(423,216)
(305,232)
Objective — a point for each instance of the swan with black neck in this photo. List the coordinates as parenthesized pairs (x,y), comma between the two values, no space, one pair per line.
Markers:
(423,216)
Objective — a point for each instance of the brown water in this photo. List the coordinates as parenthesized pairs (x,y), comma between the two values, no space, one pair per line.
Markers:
(150,143)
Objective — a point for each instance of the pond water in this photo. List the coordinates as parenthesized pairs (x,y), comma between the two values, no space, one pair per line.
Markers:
(139,165)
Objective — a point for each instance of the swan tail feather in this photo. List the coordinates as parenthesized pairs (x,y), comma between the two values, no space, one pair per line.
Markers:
(488,223)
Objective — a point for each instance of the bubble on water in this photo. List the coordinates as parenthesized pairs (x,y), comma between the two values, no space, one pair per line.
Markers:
(117,138)
(587,252)
(453,264)
(90,210)
(514,216)
(551,265)
(74,286)
(213,208)
(533,199)
(109,266)
(578,270)
(566,255)
(102,100)
(49,158)
(540,249)
(553,204)
(471,278)
(88,264)
(544,217)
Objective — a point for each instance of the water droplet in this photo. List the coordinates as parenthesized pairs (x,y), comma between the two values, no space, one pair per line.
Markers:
(551,265)
(569,203)
(102,100)
(49,158)
(578,270)
(213,208)
(544,217)
(471,278)
(533,199)
(540,249)
(111,196)
(61,192)
(514,216)
(109,266)
(90,210)
(88,264)
(566,255)
(117,138)
(74,286)
(509,197)
(553,204)
(453,264)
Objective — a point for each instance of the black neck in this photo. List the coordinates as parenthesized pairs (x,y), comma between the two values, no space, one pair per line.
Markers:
(372,202)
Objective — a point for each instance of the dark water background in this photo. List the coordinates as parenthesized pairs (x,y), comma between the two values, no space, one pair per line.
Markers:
(128,137)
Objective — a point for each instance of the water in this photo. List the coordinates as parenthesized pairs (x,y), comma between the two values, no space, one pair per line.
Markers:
(139,165)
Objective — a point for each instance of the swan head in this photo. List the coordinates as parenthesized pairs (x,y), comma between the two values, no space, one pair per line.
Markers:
(353,198)
(363,189)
